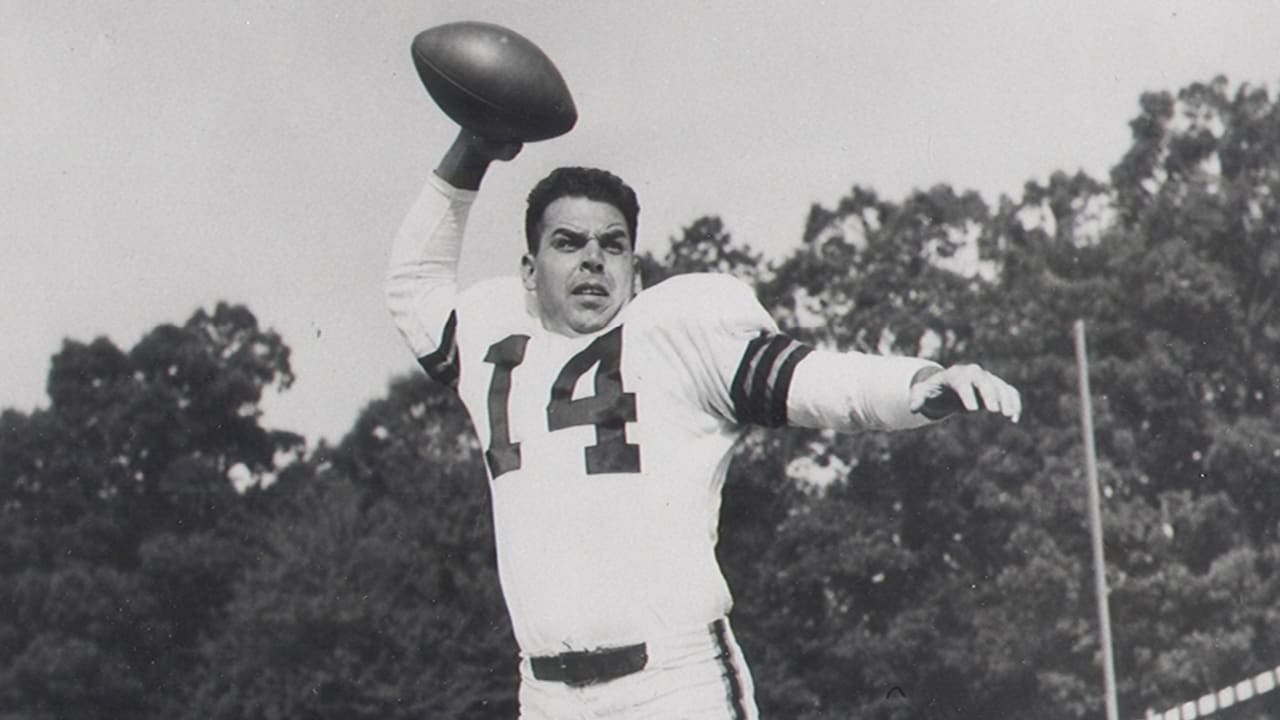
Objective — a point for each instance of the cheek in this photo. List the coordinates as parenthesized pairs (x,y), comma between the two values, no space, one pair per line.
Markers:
(549,274)
(626,277)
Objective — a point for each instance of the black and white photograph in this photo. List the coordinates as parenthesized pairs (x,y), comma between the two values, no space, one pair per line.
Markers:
(568,360)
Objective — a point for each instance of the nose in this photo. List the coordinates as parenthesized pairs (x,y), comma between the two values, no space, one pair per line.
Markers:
(592,257)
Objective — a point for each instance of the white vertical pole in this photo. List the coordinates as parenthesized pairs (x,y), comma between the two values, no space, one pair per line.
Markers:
(1095,523)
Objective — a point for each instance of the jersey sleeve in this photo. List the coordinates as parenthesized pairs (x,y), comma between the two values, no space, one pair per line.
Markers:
(852,391)
(749,373)
(422,276)
(739,366)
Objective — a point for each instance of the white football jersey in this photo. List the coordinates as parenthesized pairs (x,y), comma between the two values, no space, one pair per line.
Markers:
(607,453)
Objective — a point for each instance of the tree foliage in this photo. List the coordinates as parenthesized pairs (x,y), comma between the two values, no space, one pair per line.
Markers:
(938,573)
(377,595)
(122,528)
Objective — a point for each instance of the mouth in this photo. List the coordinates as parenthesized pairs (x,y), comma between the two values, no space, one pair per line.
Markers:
(590,289)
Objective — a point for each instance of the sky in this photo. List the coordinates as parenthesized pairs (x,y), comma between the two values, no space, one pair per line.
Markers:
(157,158)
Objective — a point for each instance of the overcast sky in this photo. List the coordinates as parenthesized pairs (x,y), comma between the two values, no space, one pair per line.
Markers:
(156,158)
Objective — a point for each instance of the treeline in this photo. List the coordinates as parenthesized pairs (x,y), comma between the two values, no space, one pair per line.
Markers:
(942,573)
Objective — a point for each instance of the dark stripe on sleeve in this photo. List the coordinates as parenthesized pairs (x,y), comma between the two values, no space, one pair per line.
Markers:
(738,393)
(763,379)
(782,382)
(442,363)
(760,397)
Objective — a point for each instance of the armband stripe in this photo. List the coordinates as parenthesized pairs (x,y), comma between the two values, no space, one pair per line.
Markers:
(738,392)
(782,382)
(442,363)
(760,386)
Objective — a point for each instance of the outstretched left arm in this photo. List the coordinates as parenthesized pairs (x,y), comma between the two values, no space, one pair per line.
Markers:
(755,375)
(852,391)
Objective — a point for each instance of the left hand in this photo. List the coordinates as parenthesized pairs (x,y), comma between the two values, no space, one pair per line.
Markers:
(966,388)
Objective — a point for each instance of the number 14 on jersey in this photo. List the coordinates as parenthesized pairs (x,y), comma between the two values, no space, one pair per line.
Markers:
(609,409)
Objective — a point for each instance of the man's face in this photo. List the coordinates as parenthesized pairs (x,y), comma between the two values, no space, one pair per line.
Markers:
(584,270)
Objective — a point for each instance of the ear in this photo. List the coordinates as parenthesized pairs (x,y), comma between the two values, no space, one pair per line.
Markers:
(637,281)
(527,272)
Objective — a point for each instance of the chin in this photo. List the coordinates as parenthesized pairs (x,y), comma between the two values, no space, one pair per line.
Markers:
(588,327)
(586,324)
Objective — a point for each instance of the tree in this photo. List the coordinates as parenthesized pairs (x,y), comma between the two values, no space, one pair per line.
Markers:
(951,565)
(877,578)
(703,246)
(121,521)
(1198,208)
(377,595)
(965,575)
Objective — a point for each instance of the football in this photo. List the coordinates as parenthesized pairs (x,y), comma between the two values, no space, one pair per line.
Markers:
(493,82)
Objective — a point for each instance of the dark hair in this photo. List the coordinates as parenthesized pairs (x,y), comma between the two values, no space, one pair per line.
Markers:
(590,183)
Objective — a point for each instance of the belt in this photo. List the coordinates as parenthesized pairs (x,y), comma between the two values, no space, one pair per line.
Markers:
(580,668)
(589,667)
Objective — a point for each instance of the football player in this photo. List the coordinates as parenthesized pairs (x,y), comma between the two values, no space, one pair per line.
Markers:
(607,417)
